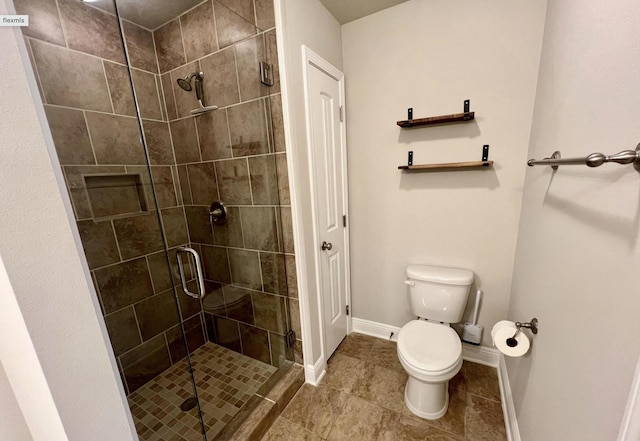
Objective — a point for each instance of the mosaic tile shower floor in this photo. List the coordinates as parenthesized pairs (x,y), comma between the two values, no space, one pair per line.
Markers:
(225,379)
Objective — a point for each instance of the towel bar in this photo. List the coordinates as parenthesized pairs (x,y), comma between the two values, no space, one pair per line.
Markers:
(593,160)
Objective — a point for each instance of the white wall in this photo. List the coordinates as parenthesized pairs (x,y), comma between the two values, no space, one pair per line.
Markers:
(53,343)
(12,425)
(432,56)
(24,373)
(303,22)
(578,251)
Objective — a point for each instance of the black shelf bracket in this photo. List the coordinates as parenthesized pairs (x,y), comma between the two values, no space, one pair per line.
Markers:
(467,111)
(485,152)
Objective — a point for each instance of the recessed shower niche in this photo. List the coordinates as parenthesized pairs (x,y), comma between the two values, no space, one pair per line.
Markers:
(115,195)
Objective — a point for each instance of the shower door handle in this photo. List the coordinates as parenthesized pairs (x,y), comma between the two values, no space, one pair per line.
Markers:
(199,277)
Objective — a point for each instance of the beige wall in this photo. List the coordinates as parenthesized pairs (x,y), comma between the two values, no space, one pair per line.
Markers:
(578,251)
(44,275)
(304,22)
(12,426)
(24,373)
(432,56)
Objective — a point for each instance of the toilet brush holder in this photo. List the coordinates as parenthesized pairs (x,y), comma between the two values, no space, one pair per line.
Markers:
(472,331)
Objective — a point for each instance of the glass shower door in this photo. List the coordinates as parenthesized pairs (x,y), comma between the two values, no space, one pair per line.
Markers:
(217,68)
(127,203)
(146,171)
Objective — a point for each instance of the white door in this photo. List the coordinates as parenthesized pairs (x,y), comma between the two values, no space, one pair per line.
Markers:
(328,167)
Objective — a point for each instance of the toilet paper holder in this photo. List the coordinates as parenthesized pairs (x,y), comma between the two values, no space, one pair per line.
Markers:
(533,325)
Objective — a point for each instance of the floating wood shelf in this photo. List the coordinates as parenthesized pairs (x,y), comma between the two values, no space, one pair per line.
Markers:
(456,117)
(447,166)
(466,115)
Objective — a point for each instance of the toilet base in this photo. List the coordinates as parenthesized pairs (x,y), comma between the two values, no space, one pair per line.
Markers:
(426,400)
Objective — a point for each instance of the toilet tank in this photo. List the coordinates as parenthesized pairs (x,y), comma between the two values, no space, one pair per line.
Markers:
(438,293)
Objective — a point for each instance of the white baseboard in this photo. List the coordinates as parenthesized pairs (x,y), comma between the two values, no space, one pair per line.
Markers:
(313,373)
(476,354)
(374,329)
(508,408)
(481,355)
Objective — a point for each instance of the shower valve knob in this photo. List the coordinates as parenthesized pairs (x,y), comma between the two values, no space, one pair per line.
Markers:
(217,213)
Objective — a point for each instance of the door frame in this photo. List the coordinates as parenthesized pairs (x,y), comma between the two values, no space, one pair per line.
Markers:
(630,427)
(311,59)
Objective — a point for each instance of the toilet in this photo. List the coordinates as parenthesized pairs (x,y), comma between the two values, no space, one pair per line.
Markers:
(429,350)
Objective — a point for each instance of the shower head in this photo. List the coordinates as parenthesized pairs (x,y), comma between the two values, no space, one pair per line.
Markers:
(185,83)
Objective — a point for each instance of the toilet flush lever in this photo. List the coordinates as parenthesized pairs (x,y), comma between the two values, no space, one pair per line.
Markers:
(410,282)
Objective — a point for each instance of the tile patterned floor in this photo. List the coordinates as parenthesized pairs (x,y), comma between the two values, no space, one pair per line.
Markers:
(362,398)
(225,379)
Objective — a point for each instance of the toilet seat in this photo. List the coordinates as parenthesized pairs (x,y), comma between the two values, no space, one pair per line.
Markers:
(431,351)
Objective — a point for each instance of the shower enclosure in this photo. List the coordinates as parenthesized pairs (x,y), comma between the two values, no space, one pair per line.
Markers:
(167,123)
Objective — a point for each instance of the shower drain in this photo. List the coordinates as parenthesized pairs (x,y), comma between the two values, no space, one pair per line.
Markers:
(188,404)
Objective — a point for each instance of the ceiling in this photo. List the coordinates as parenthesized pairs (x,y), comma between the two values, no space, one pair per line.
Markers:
(348,10)
(151,14)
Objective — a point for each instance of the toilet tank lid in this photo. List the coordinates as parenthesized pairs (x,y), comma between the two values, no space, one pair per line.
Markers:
(440,274)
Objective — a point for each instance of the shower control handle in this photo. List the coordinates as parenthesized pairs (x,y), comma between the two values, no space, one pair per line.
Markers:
(199,274)
(217,213)
(326,245)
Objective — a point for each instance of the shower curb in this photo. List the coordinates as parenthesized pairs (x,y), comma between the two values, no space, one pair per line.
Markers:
(252,422)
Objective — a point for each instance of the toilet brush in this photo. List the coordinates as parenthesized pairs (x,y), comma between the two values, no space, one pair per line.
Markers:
(472,332)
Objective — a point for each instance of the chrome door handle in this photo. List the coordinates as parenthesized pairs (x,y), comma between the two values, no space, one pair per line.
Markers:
(199,277)
(326,245)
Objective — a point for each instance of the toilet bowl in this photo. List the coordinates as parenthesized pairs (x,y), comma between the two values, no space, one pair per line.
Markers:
(429,350)
(431,354)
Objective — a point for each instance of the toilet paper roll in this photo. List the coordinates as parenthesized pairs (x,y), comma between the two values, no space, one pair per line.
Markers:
(502,324)
(505,333)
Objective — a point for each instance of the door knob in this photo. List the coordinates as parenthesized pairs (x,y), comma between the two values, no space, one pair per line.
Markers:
(326,246)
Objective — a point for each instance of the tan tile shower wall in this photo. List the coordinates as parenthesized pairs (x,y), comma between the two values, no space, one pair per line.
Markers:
(79,63)
(78,59)
(235,154)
